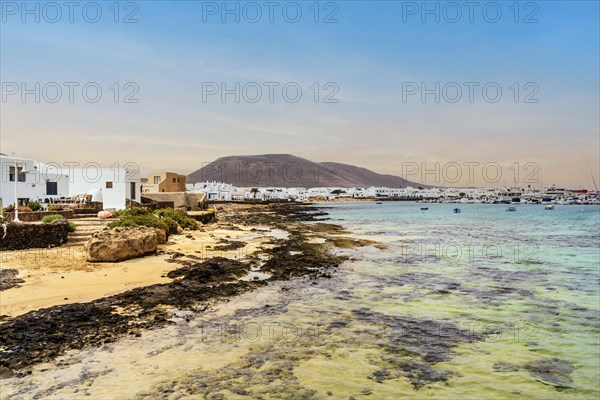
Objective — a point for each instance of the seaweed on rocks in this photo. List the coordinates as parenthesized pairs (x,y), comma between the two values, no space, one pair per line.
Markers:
(413,346)
(228,245)
(9,279)
(550,371)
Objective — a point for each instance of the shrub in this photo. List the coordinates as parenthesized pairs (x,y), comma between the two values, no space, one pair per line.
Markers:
(70,226)
(181,218)
(34,205)
(48,219)
(142,217)
(54,207)
(172,224)
(132,212)
(24,209)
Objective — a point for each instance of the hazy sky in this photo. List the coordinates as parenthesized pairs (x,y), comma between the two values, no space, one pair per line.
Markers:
(373,57)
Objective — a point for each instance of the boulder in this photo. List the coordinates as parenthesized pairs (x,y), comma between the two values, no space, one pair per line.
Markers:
(120,244)
(104,214)
(161,236)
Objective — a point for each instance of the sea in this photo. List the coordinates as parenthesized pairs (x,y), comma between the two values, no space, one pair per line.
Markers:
(481,304)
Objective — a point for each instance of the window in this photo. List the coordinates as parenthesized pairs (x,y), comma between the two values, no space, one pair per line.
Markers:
(51,188)
(156,180)
(11,175)
(109,185)
(174,180)
(177,180)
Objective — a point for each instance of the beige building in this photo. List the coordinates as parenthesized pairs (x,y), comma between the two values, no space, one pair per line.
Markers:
(164,182)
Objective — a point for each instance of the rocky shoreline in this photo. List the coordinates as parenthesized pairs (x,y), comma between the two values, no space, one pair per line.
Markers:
(44,334)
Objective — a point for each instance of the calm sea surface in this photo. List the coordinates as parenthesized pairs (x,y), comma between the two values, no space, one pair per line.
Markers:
(485,304)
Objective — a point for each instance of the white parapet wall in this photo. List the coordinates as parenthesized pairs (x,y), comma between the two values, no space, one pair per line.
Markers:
(116,185)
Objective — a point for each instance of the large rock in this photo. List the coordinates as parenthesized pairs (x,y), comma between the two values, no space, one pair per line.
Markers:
(120,244)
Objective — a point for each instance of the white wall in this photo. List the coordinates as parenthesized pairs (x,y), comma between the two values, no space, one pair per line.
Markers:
(34,187)
(84,181)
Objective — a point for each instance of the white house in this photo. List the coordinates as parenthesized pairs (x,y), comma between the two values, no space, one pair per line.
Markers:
(35,180)
(38,181)
(112,186)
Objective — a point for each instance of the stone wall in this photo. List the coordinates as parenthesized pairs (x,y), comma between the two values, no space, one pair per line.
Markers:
(179,199)
(34,216)
(204,217)
(32,236)
(156,205)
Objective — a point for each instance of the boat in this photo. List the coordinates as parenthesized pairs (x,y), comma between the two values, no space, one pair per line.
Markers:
(511,209)
(424,208)
(456,210)
(379,202)
(549,207)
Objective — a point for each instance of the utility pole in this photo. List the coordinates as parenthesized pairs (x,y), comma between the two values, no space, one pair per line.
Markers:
(16,177)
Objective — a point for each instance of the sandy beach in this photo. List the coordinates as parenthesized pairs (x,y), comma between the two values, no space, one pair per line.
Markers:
(89,304)
(63,276)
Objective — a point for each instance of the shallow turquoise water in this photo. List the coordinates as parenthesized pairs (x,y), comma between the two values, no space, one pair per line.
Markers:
(484,304)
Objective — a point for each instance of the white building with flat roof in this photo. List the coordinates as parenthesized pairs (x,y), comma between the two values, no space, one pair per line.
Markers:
(39,181)
(33,180)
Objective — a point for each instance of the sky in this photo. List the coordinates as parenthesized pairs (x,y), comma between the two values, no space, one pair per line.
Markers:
(495,93)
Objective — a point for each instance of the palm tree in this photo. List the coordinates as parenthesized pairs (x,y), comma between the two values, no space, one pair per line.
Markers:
(254,191)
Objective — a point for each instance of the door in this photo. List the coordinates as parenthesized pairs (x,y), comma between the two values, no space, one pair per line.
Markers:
(51,188)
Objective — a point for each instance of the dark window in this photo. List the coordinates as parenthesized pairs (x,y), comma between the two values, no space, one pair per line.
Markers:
(52,188)
(11,175)
(109,185)
(174,180)
(156,180)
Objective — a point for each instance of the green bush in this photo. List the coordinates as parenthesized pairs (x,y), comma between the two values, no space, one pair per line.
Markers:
(34,205)
(141,217)
(133,212)
(181,218)
(48,219)
(70,226)
(172,224)
(166,219)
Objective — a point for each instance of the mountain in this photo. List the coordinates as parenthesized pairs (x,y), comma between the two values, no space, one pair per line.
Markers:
(286,170)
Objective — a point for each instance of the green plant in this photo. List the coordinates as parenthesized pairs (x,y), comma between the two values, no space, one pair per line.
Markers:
(48,219)
(71,226)
(180,218)
(142,217)
(172,224)
(34,205)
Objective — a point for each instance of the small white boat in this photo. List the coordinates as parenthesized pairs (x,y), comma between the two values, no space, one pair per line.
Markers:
(511,209)
(549,207)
